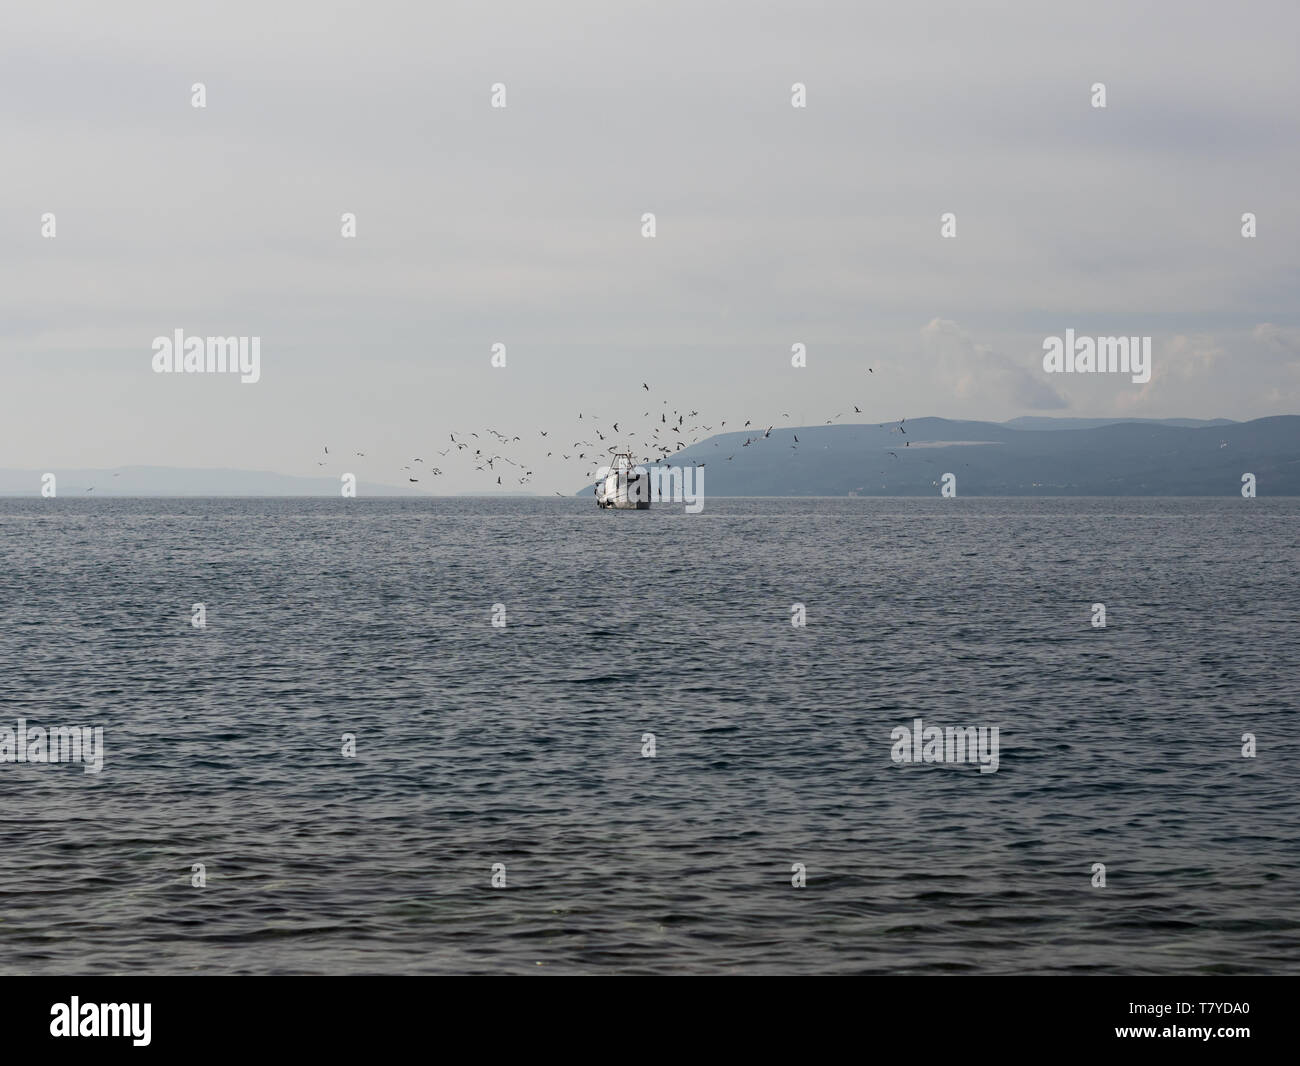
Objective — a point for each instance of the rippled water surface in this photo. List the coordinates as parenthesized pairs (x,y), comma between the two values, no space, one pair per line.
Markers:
(522,745)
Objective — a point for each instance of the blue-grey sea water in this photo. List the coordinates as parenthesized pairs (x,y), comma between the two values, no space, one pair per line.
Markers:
(522,745)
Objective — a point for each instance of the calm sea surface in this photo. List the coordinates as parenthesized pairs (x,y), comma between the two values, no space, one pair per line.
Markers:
(522,745)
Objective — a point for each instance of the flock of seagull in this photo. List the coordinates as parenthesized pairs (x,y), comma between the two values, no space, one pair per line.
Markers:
(490,451)
(490,448)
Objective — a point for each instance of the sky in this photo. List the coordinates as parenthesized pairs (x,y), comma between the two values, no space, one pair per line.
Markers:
(774,225)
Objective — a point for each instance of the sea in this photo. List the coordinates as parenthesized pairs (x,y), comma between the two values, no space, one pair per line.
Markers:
(482,736)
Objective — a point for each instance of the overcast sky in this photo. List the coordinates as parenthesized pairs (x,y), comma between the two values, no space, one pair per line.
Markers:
(522,225)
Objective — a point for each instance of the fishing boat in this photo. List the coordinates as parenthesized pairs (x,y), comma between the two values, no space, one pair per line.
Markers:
(624,486)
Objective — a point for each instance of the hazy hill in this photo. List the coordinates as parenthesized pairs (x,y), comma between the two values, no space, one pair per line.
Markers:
(1044,422)
(1133,458)
(175,481)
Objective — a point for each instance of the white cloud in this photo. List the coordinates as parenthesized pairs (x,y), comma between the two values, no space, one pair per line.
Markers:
(981,373)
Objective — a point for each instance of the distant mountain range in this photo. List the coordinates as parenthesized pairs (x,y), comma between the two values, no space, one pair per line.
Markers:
(1023,457)
(178,481)
(1041,422)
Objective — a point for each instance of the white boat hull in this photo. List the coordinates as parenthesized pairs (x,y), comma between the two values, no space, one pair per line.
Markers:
(624,488)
